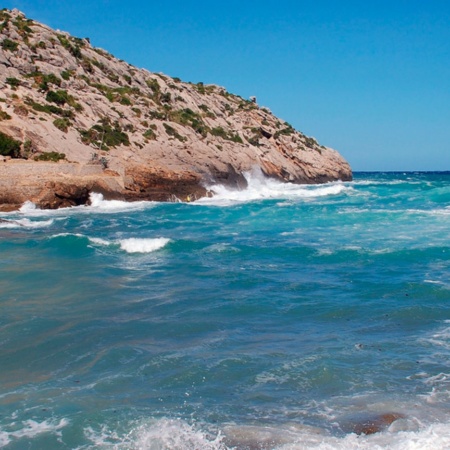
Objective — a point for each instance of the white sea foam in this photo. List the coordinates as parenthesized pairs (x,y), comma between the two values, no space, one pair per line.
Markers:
(99,204)
(163,434)
(26,223)
(166,434)
(130,245)
(260,187)
(31,429)
(135,245)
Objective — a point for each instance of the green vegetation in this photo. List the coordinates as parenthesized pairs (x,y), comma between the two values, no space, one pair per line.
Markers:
(174,133)
(9,146)
(59,97)
(157,115)
(119,94)
(150,134)
(104,135)
(287,131)
(4,15)
(229,109)
(86,65)
(190,118)
(202,89)
(127,78)
(62,124)
(310,142)
(13,82)
(43,80)
(66,74)
(207,112)
(156,89)
(62,97)
(73,49)
(165,97)
(254,139)
(9,45)
(4,115)
(137,111)
(228,135)
(100,65)
(23,27)
(50,156)
(49,109)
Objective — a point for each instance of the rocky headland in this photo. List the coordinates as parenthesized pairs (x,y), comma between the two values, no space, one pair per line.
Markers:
(74,120)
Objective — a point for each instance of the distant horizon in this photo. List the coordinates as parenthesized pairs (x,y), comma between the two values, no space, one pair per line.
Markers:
(370,81)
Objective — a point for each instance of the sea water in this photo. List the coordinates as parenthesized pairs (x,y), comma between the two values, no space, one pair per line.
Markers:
(269,318)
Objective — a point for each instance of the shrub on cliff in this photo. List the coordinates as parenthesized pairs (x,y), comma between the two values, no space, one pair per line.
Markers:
(50,156)
(104,135)
(9,146)
(12,46)
(13,82)
(62,124)
(174,133)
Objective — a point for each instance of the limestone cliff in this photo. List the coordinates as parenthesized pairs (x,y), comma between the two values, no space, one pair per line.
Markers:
(127,132)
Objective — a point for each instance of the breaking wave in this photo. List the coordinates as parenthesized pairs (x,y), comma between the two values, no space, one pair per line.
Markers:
(260,187)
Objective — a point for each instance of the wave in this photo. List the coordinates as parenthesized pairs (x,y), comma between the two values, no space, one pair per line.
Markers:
(176,434)
(97,204)
(139,245)
(24,223)
(260,187)
(130,245)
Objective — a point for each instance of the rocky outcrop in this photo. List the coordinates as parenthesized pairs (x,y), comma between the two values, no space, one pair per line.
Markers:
(149,136)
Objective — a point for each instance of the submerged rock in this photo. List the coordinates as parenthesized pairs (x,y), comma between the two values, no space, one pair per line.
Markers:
(370,423)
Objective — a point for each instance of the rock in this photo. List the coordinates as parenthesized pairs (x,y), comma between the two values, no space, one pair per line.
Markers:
(370,423)
(161,137)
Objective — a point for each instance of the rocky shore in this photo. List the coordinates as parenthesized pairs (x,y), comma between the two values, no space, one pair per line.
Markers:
(74,119)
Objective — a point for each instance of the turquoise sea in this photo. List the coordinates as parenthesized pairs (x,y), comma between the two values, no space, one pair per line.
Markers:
(271,318)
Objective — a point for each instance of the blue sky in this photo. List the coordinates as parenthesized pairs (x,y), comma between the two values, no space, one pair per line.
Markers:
(371,79)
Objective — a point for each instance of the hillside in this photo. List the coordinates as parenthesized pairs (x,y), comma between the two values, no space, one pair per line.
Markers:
(74,119)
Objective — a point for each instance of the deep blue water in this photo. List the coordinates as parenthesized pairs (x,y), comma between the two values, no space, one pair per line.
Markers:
(267,318)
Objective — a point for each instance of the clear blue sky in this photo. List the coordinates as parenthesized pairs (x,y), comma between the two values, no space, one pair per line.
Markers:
(369,78)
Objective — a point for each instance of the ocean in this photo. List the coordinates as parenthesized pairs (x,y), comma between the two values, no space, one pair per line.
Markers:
(278,317)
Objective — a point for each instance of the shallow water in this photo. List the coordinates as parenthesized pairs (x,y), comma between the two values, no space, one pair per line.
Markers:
(267,318)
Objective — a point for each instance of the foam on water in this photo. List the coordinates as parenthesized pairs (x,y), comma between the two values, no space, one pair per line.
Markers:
(135,245)
(26,223)
(30,429)
(260,187)
(97,205)
(168,434)
(130,245)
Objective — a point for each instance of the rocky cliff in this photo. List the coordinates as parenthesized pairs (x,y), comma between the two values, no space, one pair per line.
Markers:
(74,119)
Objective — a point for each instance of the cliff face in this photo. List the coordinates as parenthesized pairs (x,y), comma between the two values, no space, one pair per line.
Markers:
(127,132)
